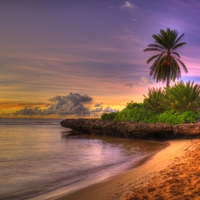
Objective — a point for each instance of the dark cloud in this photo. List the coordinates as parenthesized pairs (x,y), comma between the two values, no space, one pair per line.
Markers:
(72,104)
(100,109)
(98,104)
(61,105)
(29,111)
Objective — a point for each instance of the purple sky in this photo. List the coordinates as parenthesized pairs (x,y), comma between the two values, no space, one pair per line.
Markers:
(63,58)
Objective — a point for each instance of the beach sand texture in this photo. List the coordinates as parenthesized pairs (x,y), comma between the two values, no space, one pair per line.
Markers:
(173,173)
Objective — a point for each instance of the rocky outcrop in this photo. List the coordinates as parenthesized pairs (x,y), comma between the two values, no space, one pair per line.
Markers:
(118,129)
(131,129)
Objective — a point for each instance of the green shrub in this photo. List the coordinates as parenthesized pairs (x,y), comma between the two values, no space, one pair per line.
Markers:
(174,117)
(132,105)
(137,113)
(108,116)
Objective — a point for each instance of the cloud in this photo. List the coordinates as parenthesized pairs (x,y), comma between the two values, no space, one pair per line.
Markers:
(29,111)
(96,110)
(71,104)
(130,84)
(128,5)
(99,110)
(108,110)
(98,104)
(146,80)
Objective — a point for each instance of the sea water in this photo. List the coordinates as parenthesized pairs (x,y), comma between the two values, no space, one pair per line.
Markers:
(39,159)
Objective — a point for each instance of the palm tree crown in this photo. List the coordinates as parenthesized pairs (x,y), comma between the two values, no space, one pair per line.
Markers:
(166,65)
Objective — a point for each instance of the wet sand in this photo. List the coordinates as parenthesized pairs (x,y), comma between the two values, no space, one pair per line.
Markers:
(173,173)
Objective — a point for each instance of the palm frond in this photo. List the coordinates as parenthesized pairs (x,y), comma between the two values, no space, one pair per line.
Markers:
(178,45)
(157,46)
(175,53)
(152,58)
(152,49)
(179,38)
(183,65)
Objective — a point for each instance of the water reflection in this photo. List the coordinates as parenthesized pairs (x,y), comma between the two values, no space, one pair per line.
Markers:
(129,145)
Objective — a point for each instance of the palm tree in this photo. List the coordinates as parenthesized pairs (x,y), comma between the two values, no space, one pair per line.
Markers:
(166,65)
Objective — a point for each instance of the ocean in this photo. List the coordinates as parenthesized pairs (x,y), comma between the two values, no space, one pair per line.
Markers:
(41,160)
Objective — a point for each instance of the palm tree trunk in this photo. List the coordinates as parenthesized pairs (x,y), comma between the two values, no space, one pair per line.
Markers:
(168,82)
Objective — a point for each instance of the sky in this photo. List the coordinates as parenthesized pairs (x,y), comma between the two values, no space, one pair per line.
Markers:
(75,58)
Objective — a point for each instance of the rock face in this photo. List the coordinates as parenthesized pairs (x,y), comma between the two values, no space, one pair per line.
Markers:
(118,129)
(131,129)
(191,129)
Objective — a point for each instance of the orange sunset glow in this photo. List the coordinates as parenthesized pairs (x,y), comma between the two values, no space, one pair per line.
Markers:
(65,59)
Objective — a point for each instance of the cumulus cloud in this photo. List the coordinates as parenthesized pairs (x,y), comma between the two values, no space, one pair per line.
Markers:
(71,104)
(128,5)
(29,111)
(146,80)
(108,109)
(98,109)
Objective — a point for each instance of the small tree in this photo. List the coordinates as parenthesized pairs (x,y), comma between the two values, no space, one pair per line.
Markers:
(182,97)
(152,101)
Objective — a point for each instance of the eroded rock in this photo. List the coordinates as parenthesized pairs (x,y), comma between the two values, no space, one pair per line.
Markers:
(131,129)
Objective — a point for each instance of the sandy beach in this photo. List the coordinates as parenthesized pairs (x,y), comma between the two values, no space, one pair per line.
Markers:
(173,173)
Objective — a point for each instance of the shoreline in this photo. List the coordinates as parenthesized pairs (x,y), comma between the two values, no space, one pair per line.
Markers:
(125,186)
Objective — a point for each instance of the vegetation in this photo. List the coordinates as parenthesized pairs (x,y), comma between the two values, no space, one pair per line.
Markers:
(173,117)
(136,112)
(155,96)
(174,105)
(108,116)
(182,97)
(166,65)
